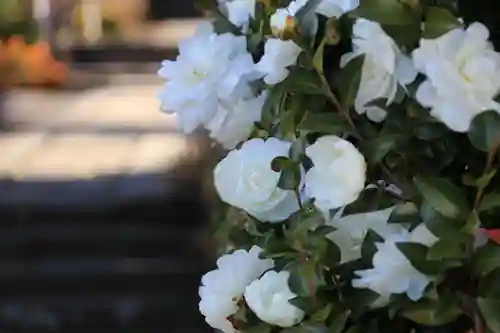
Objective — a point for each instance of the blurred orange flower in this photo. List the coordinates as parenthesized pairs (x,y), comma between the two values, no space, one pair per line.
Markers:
(29,65)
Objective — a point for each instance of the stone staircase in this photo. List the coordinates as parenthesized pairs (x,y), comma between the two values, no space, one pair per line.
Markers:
(103,217)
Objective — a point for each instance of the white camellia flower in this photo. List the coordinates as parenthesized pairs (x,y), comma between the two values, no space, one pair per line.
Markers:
(244,179)
(224,287)
(336,8)
(385,67)
(278,56)
(329,8)
(338,175)
(268,298)
(351,231)
(462,70)
(209,68)
(233,123)
(392,272)
(240,11)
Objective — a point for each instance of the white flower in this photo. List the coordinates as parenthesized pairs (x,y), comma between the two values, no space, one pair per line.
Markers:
(282,16)
(268,298)
(384,67)
(329,8)
(244,179)
(224,287)
(336,8)
(392,272)
(352,229)
(463,75)
(209,68)
(338,175)
(278,56)
(240,11)
(233,123)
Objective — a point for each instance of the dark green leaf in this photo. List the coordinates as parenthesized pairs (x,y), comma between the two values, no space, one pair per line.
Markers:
(433,313)
(405,213)
(324,123)
(490,309)
(490,201)
(487,259)
(376,149)
(338,322)
(484,132)
(287,124)
(280,163)
(306,304)
(304,81)
(438,224)
(489,286)
(369,248)
(417,254)
(298,148)
(430,131)
(260,328)
(289,178)
(443,196)
(438,21)
(272,105)
(318,57)
(322,314)
(447,249)
(350,78)
(332,254)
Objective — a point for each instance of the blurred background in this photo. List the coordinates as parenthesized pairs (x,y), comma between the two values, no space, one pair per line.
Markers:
(103,204)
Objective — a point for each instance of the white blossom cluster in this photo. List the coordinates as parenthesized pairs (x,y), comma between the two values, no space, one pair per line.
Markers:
(215,83)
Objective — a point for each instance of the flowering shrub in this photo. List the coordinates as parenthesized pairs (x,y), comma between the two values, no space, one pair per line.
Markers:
(362,163)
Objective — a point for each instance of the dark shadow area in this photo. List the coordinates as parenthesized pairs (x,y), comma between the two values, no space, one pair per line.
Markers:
(75,257)
(164,9)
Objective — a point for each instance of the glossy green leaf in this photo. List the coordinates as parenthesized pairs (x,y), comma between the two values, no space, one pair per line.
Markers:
(487,259)
(438,21)
(484,132)
(490,310)
(324,123)
(376,149)
(350,78)
(304,81)
(338,322)
(443,196)
(405,213)
(490,201)
(433,313)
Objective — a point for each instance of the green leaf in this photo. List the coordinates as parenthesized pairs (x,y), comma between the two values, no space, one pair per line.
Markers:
(446,249)
(332,255)
(489,286)
(405,213)
(438,21)
(490,201)
(433,313)
(272,106)
(260,328)
(322,314)
(281,163)
(318,57)
(490,309)
(287,124)
(369,248)
(289,178)
(443,196)
(376,149)
(304,81)
(338,322)
(324,123)
(430,131)
(417,254)
(484,132)
(487,259)
(438,224)
(350,78)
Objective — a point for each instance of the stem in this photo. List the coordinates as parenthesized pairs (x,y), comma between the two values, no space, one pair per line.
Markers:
(331,96)
(489,162)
